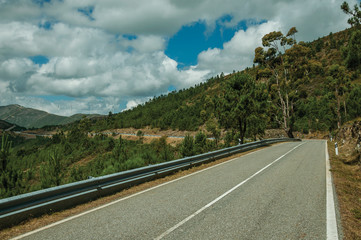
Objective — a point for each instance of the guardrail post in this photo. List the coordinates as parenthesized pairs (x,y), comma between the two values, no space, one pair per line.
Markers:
(18,208)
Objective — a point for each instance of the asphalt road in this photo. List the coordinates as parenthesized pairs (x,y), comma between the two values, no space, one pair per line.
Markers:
(274,193)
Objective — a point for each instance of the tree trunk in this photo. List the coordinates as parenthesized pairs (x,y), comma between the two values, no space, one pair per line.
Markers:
(289,133)
(285,109)
(338,109)
(242,129)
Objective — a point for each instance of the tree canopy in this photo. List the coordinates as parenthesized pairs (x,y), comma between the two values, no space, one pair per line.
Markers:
(243,106)
(355,18)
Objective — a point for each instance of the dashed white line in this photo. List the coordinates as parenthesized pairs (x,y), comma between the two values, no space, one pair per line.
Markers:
(122,199)
(222,196)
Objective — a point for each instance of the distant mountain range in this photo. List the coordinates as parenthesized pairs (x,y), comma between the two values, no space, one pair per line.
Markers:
(5,126)
(33,118)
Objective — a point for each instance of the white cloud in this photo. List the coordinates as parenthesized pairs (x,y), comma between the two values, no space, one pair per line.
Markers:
(25,39)
(16,68)
(238,53)
(91,59)
(133,103)
(146,43)
(122,74)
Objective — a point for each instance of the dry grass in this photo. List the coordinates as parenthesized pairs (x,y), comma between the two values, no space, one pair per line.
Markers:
(347,180)
(42,221)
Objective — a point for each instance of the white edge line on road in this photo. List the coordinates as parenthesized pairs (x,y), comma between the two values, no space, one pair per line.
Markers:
(122,199)
(222,196)
(331,224)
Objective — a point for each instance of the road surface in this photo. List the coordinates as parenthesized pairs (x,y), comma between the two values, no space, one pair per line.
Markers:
(274,193)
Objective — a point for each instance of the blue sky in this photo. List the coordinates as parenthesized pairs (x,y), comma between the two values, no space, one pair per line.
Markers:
(68,57)
(40,60)
(187,43)
(196,37)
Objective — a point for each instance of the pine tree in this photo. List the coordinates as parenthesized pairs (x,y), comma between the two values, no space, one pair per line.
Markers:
(4,152)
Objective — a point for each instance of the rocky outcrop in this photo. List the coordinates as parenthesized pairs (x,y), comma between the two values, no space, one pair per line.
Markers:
(349,139)
(350,133)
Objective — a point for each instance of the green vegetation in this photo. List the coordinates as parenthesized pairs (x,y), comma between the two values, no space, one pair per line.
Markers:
(5,126)
(243,106)
(177,110)
(283,66)
(4,152)
(295,86)
(67,157)
(355,19)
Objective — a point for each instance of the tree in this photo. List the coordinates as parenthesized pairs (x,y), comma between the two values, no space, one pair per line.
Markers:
(140,135)
(242,102)
(4,152)
(51,170)
(228,138)
(355,19)
(286,60)
(212,126)
(337,80)
(187,148)
(258,121)
(200,142)
(353,51)
(353,101)
(120,152)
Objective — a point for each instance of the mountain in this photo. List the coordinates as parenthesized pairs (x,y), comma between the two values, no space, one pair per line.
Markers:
(5,126)
(33,118)
(323,91)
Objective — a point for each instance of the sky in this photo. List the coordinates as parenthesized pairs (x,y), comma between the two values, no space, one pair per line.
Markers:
(91,56)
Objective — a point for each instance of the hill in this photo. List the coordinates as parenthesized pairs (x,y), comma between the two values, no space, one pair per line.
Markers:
(310,87)
(33,118)
(320,87)
(5,126)
(319,91)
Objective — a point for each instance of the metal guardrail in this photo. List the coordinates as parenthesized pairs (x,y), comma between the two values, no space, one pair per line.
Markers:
(16,209)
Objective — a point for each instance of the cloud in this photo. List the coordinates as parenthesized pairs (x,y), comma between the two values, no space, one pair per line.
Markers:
(145,43)
(122,74)
(110,52)
(25,40)
(238,53)
(16,68)
(134,102)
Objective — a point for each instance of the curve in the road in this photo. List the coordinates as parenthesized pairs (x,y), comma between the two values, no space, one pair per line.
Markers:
(273,193)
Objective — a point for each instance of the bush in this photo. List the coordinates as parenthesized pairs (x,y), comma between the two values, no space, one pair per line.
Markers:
(187,148)
(200,142)
(353,102)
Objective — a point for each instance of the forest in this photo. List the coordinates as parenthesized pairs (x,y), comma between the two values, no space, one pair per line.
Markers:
(294,86)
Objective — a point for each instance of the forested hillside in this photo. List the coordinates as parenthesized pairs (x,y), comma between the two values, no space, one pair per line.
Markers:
(319,91)
(294,86)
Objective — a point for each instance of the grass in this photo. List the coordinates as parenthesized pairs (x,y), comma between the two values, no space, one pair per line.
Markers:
(347,180)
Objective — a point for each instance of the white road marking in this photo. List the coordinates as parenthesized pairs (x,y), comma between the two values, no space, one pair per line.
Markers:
(222,196)
(332,233)
(122,199)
